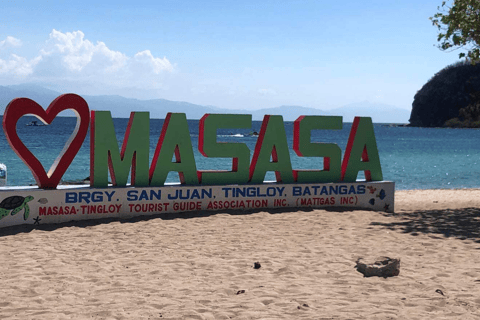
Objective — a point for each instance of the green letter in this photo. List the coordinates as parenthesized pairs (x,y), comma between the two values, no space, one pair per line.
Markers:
(104,150)
(174,140)
(331,152)
(361,153)
(272,141)
(208,146)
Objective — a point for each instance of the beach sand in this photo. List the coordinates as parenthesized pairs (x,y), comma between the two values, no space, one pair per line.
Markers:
(200,266)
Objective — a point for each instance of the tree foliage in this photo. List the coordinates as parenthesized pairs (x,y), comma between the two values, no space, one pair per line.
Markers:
(469,116)
(459,27)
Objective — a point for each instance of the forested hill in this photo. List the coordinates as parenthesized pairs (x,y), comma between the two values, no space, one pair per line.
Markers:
(450,98)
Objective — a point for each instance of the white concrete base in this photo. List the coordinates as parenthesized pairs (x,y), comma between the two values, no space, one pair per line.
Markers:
(82,202)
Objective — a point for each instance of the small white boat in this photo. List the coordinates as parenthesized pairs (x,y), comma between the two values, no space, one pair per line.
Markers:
(3,175)
(34,123)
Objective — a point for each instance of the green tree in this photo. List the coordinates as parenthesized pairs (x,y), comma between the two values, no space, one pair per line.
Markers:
(472,111)
(459,27)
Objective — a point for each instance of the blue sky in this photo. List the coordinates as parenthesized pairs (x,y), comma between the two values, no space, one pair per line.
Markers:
(231,54)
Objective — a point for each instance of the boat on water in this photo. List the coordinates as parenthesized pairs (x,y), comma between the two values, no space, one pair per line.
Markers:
(34,123)
(3,175)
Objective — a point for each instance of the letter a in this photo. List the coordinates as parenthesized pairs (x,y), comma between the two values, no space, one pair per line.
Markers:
(174,140)
(272,141)
(361,153)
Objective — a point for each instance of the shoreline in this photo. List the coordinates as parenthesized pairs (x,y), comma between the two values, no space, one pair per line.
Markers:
(436,199)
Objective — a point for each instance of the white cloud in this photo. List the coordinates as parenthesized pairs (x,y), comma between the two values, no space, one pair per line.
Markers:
(78,54)
(10,42)
(71,57)
(13,65)
(17,67)
(148,60)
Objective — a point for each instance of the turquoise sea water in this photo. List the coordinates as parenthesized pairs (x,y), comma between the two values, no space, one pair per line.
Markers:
(415,158)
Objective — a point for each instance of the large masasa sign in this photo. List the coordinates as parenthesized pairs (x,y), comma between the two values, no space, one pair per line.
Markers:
(242,187)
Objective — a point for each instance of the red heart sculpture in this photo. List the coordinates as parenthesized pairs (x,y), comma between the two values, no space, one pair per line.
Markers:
(19,107)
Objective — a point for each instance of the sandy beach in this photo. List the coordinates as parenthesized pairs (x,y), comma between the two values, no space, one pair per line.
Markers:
(201,265)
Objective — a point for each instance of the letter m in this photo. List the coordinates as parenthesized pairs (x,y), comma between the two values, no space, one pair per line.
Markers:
(105,155)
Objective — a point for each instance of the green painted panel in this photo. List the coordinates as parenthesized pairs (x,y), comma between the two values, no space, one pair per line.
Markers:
(134,153)
(209,147)
(361,153)
(175,142)
(331,152)
(272,142)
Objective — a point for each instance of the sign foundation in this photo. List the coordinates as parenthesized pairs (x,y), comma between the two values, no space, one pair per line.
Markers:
(37,206)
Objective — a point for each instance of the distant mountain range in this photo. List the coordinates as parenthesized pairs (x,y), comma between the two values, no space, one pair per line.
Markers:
(158,108)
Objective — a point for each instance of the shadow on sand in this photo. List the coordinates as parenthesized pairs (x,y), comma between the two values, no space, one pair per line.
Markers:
(458,223)
(164,216)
